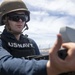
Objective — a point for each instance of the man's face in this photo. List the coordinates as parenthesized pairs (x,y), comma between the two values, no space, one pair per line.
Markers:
(17,21)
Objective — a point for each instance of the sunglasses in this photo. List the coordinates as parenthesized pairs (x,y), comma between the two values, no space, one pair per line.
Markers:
(16,17)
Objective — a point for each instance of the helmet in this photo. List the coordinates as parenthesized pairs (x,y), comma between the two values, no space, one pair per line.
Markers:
(9,6)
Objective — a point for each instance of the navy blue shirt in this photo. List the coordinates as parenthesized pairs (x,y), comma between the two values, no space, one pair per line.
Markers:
(23,47)
(20,66)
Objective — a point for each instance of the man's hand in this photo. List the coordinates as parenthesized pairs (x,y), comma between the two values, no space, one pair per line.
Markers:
(55,64)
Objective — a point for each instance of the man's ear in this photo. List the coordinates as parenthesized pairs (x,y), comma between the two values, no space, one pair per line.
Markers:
(5,20)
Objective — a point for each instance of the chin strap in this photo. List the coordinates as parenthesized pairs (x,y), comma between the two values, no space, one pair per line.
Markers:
(26,28)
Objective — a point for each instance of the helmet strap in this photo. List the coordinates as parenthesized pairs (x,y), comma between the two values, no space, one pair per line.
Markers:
(25,27)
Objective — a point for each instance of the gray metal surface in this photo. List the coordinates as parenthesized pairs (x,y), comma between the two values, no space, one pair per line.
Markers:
(68,34)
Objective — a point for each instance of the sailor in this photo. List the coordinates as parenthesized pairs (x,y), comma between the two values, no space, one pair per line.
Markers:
(15,15)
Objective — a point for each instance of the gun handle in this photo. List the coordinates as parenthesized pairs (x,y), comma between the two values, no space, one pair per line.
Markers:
(62,53)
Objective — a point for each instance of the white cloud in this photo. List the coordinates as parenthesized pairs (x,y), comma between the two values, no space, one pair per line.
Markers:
(49,16)
(54,5)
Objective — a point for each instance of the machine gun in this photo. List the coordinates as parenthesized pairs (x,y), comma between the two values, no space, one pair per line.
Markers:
(62,53)
(67,36)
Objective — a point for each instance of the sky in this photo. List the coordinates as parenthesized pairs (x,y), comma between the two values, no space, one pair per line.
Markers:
(46,19)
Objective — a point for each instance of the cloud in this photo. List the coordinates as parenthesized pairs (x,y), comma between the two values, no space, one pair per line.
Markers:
(67,6)
(48,16)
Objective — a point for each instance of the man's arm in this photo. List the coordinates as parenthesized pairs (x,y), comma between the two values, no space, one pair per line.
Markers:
(17,66)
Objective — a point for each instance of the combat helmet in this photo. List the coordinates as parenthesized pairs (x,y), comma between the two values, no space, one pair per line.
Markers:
(9,6)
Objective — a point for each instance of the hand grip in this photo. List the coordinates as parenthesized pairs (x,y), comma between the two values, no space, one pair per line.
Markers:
(62,53)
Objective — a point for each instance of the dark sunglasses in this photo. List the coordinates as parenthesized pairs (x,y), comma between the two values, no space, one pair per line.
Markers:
(16,17)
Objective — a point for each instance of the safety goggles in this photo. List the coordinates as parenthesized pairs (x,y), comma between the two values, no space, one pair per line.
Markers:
(16,17)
